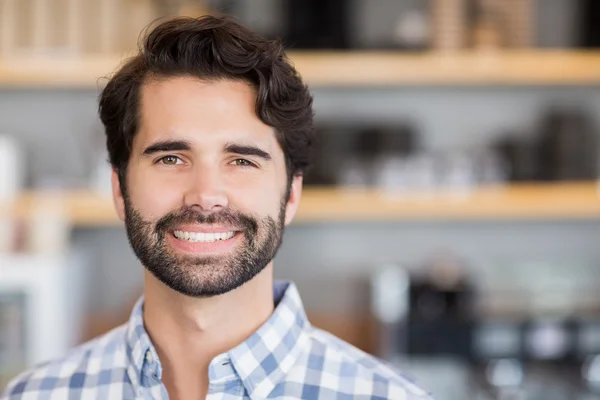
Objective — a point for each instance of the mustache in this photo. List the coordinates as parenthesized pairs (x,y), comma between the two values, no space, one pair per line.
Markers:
(187,215)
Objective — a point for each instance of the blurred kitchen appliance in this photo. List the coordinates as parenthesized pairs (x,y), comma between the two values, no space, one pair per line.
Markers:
(567,146)
(325,157)
(535,357)
(418,306)
(519,156)
(588,355)
(441,300)
(424,324)
(589,23)
(317,24)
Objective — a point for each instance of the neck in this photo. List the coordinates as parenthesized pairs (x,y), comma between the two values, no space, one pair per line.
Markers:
(189,332)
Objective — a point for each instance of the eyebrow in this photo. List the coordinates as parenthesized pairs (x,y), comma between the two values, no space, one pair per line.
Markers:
(247,150)
(167,145)
(183,145)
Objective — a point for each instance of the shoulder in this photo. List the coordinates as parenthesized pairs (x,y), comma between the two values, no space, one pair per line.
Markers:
(370,376)
(104,355)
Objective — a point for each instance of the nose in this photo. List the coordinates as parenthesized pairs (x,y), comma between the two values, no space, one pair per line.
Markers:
(206,191)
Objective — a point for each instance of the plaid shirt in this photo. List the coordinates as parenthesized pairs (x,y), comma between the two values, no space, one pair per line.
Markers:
(286,358)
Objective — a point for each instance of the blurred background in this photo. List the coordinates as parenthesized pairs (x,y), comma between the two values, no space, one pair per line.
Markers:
(451,222)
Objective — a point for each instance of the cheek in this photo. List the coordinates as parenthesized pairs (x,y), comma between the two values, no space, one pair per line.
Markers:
(152,197)
(256,196)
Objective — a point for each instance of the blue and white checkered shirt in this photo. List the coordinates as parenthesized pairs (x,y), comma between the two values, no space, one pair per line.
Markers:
(286,358)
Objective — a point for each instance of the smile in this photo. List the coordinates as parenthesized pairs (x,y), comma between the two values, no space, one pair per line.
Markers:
(199,237)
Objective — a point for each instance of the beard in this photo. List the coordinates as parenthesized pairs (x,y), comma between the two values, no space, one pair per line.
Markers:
(204,276)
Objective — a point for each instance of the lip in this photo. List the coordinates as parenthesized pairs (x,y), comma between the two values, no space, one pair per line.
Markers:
(205,229)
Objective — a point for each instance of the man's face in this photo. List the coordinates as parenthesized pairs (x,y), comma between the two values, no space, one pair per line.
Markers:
(206,195)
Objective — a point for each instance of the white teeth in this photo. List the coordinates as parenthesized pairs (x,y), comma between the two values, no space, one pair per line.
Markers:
(203,237)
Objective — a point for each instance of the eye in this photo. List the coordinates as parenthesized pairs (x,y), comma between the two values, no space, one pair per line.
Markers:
(242,162)
(170,160)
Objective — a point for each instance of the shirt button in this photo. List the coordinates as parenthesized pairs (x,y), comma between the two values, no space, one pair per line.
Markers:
(149,357)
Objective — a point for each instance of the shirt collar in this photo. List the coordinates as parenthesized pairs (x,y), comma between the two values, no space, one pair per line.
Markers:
(260,362)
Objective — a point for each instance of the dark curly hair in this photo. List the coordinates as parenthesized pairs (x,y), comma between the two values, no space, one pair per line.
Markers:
(211,48)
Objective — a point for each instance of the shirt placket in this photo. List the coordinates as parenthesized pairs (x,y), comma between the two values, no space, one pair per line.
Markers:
(151,386)
(224,383)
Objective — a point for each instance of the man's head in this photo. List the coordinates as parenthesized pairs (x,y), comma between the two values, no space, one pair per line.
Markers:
(209,130)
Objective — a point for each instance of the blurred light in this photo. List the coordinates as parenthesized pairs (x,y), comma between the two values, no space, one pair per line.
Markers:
(505,372)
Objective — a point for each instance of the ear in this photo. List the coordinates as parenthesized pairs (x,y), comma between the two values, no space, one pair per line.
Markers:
(294,200)
(118,199)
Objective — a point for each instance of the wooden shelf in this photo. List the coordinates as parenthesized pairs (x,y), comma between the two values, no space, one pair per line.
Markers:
(464,68)
(527,201)
(82,208)
(531,202)
(348,69)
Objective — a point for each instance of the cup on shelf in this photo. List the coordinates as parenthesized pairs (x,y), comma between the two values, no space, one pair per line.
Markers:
(457,173)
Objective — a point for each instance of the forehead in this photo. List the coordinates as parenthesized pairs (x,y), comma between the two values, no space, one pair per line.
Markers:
(195,110)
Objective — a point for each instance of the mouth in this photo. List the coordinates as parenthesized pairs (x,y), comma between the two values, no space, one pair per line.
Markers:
(203,237)
(198,240)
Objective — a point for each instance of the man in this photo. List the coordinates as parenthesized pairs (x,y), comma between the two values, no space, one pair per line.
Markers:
(208,131)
